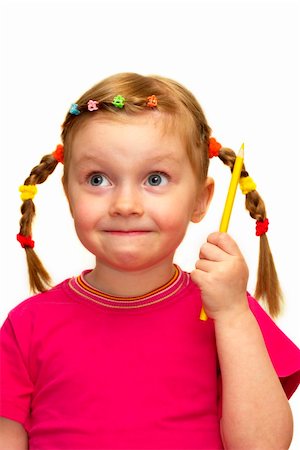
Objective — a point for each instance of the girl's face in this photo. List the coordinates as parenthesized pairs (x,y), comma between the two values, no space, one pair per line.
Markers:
(132,191)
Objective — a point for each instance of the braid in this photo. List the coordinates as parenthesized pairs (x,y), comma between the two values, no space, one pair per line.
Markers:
(39,278)
(267,285)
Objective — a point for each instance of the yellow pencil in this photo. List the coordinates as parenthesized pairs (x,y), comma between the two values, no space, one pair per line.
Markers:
(236,173)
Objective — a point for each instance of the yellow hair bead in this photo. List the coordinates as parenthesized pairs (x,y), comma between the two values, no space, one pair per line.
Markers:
(28,191)
(247,185)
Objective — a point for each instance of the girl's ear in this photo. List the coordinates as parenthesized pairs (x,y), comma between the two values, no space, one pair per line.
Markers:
(203,200)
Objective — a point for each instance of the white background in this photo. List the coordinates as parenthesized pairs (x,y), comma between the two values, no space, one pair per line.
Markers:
(240,59)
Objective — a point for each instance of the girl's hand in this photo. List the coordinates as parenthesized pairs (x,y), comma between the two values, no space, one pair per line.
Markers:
(221,274)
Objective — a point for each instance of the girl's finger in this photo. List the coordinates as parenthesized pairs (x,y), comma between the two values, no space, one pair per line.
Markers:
(224,242)
(212,252)
(205,266)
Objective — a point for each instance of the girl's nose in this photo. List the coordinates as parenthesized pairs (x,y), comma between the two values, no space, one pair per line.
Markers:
(126,202)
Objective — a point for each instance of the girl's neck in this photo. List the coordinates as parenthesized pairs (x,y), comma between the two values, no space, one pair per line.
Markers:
(121,283)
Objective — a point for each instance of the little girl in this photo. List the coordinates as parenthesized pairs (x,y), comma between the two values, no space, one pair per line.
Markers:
(117,358)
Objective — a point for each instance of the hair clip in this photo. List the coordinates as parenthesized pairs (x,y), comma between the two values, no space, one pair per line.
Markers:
(262,227)
(92,105)
(213,147)
(247,185)
(28,191)
(152,101)
(25,241)
(118,101)
(74,109)
(58,154)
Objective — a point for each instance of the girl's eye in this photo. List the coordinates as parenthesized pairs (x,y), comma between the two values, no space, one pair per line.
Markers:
(98,180)
(157,179)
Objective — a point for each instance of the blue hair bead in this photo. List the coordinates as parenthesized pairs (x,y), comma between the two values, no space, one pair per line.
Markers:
(74,109)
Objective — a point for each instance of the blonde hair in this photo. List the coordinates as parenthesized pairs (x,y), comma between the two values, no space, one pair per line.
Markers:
(180,109)
(178,105)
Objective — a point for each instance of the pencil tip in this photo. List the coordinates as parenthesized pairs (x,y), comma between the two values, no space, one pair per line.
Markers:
(241,152)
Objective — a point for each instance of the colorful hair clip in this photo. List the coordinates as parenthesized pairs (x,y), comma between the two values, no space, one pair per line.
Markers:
(28,191)
(92,105)
(213,147)
(118,101)
(262,227)
(74,109)
(25,241)
(247,185)
(58,154)
(152,101)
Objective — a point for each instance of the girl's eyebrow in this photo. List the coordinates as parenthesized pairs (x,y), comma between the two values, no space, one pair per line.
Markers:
(164,157)
(169,157)
(90,158)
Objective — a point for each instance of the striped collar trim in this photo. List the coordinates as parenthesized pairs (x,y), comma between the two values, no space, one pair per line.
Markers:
(85,290)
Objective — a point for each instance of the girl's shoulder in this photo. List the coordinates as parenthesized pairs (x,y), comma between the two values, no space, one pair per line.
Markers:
(55,293)
(40,304)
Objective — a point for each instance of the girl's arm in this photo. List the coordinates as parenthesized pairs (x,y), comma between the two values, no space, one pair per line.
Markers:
(255,411)
(12,435)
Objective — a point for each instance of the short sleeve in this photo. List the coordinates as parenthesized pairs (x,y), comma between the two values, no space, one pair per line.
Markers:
(283,353)
(16,386)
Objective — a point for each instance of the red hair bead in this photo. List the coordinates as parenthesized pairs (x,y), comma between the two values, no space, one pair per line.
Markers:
(262,227)
(25,241)
(213,147)
(58,154)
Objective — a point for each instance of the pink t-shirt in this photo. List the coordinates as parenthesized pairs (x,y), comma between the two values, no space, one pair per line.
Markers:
(82,370)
